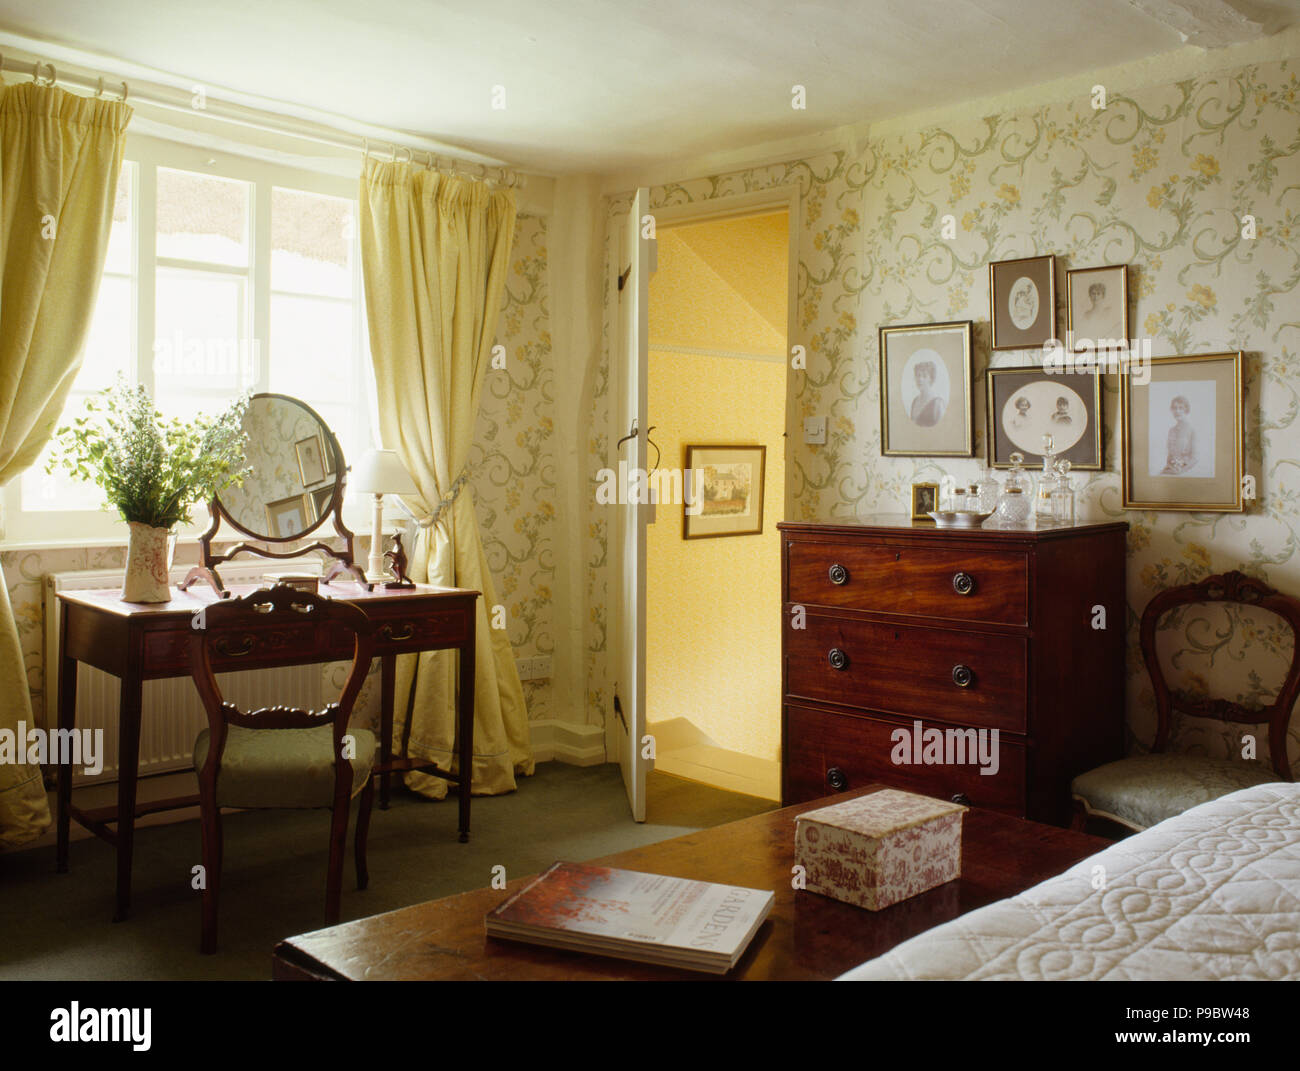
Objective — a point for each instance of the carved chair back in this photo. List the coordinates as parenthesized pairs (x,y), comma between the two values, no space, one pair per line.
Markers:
(1232,587)
(277,617)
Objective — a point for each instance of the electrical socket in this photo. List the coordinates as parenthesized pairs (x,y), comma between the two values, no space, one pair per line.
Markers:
(542,668)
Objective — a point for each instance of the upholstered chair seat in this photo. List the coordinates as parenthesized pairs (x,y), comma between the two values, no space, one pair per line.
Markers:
(1139,792)
(284,767)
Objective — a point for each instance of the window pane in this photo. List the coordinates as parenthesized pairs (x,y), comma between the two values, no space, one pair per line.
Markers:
(120,237)
(109,346)
(202,353)
(201,217)
(311,348)
(42,491)
(311,243)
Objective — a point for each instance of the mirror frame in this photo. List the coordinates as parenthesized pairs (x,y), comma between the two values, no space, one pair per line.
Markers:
(341,561)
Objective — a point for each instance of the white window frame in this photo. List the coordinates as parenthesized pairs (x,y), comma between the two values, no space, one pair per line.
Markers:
(21,529)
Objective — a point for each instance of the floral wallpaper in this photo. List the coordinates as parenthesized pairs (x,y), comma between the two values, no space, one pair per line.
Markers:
(1160,180)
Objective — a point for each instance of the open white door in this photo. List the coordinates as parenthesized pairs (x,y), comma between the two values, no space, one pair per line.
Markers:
(627,726)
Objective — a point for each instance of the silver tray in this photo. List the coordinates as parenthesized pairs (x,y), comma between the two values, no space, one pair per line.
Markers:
(959,518)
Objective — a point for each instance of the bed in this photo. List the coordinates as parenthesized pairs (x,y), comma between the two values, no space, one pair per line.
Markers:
(1212,894)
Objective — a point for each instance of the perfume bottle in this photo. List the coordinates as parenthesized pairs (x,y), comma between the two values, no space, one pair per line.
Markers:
(1043,512)
(1063,494)
(1014,508)
(987,489)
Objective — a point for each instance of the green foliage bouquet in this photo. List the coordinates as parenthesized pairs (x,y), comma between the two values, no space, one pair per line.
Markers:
(151,469)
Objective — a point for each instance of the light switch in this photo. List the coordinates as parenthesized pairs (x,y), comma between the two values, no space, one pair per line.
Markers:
(814,430)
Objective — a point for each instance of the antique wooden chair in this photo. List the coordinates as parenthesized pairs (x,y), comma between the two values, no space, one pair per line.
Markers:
(1140,791)
(280,757)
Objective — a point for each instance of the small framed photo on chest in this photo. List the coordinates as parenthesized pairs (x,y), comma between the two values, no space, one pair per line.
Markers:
(1022,302)
(1183,445)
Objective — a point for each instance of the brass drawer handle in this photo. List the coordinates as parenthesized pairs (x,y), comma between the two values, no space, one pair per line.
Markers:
(838,574)
(963,583)
(962,676)
(223,647)
(386,632)
(838,659)
(837,779)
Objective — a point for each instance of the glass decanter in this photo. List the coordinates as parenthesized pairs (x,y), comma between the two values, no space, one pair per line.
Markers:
(1063,495)
(1043,513)
(987,489)
(1014,508)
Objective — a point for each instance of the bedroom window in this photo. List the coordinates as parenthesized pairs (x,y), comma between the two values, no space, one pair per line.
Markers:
(223,274)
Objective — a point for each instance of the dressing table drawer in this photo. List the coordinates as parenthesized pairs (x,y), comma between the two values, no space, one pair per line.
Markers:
(396,632)
(167,653)
(924,581)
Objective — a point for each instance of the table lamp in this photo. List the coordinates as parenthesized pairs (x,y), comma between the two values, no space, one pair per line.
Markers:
(379,473)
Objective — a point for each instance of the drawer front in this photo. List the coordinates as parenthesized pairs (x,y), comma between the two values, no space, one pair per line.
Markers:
(396,632)
(166,652)
(972,678)
(964,585)
(828,753)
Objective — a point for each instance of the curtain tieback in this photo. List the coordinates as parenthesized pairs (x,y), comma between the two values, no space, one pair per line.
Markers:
(457,486)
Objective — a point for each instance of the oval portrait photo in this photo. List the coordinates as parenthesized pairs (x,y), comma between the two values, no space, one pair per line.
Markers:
(1044,408)
(925,388)
(1022,303)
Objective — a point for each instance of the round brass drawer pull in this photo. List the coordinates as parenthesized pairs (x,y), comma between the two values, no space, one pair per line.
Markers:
(838,574)
(962,676)
(963,583)
(838,659)
(837,779)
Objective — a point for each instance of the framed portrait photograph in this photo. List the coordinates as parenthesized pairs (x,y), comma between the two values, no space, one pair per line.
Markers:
(732,491)
(1183,434)
(311,460)
(1022,302)
(925,390)
(925,499)
(1024,404)
(289,516)
(1096,308)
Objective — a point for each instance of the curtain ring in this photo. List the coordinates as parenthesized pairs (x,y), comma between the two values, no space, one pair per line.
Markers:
(365,148)
(393,158)
(126,89)
(36,74)
(410,156)
(99,89)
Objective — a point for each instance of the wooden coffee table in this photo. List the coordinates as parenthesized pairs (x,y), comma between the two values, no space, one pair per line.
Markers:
(807,937)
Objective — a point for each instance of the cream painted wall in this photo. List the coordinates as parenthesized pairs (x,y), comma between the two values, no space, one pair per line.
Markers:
(712,621)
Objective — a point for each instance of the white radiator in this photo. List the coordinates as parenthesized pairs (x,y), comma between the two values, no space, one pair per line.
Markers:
(172,714)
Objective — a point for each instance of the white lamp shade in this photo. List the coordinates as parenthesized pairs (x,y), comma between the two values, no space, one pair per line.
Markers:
(381,472)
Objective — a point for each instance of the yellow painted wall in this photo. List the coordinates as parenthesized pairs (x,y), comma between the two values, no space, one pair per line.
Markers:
(713,643)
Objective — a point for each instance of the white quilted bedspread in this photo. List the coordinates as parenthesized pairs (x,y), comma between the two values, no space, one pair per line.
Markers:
(1211,894)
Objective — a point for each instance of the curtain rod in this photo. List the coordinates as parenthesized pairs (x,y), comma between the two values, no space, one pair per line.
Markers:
(196,102)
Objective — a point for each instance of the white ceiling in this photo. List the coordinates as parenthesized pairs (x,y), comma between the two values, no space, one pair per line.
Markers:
(600,85)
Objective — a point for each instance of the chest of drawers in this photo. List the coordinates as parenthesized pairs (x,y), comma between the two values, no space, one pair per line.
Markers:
(922,657)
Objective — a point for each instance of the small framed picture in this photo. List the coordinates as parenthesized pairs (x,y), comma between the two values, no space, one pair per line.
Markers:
(311,460)
(1024,404)
(327,455)
(730,489)
(1183,434)
(320,501)
(925,390)
(1022,302)
(1096,308)
(289,516)
(925,500)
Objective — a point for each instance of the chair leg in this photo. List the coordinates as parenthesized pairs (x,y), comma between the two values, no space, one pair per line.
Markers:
(212,858)
(363,830)
(1079,819)
(338,847)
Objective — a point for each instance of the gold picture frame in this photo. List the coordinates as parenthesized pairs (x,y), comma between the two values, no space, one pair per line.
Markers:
(736,471)
(289,517)
(1199,463)
(1104,317)
(1022,302)
(925,390)
(311,459)
(925,498)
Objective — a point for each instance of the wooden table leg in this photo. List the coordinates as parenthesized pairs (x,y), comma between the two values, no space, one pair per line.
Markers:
(67,721)
(128,751)
(465,728)
(387,672)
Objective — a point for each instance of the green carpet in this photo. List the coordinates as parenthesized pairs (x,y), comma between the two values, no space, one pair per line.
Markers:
(57,926)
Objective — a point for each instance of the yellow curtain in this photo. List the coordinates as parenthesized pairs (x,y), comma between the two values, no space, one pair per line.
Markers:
(435,250)
(59,159)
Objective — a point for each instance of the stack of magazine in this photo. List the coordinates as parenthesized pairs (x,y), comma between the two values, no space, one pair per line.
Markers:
(646,917)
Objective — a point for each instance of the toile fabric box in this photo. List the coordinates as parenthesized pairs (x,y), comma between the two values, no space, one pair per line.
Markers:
(878,849)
